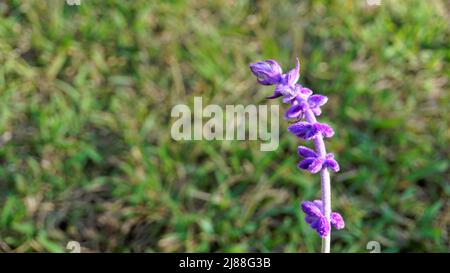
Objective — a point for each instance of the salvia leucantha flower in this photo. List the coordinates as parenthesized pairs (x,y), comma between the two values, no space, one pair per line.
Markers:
(268,72)
(304,106)
(314,163)
(315,218)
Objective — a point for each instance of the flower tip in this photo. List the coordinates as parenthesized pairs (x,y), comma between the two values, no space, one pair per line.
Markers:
(306,206)
(293,75)
(316,165)
(323,227)
(306,152)
(337,220)
(267,72)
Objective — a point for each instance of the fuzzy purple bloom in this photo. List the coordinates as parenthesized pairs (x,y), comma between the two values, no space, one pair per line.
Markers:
(291,78)
(306,152)
(313,163)
(302,101)
(331,163)
(314,103)
(296,111)
(307,131)
(315,218)
(337,221)
(304,105)
(268,72)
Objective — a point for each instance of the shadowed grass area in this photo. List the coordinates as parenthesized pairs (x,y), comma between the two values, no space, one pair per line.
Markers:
(86,153)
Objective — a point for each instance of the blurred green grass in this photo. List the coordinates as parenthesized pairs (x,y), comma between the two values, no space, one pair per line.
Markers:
(85,147)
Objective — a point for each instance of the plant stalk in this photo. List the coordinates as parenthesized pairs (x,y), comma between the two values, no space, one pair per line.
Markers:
(325,182)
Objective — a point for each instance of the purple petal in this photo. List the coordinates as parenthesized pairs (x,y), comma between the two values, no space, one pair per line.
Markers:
(318,203)
(310,219)
(324,128)
(276,68)
(316,165)
(289,95)
(316,223)
(304,164)
(306,91)
(331,163)
(300,94)
(293,75)
(298,127)
(303,130)
(309,208)
(306,152)
(295,111)
(317,101)
(316,111)
(268,72)
(282,89)
(315,218)
(303,103)
(322,227)
(337,221)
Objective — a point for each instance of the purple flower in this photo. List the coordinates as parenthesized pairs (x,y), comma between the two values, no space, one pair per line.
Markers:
(313,163)
(303,107)
(287,84)
(302,102)
(314,103)
(267,72)
(337,221)
(297,110)
(315,218)
(331,163)
(292,76)
(294,93)
(307,131)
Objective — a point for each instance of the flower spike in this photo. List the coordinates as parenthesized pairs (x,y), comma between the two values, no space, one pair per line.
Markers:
(304,107)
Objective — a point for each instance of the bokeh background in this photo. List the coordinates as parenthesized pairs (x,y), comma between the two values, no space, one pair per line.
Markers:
(85,149)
